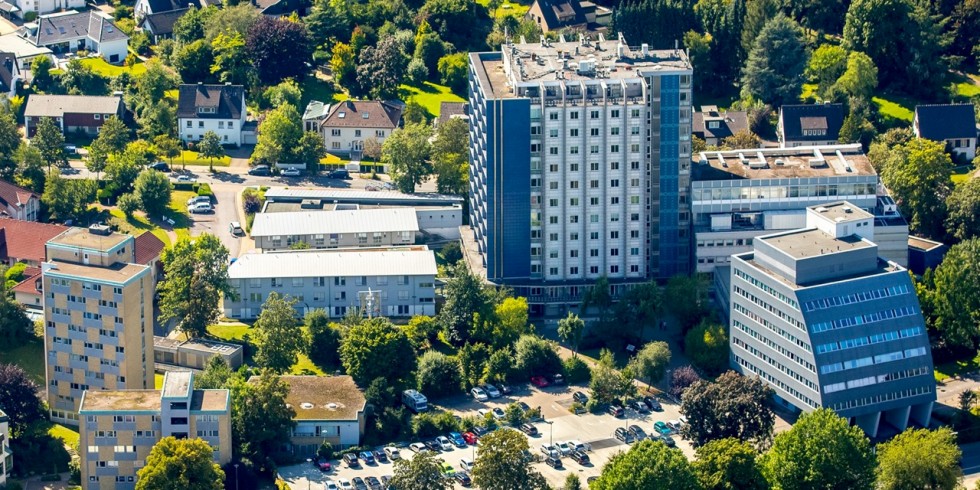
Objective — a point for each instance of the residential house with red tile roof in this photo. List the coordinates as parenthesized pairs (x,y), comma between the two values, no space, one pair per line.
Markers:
(349,123)
(28,291)
(148,250)
(23,241)
(18,203)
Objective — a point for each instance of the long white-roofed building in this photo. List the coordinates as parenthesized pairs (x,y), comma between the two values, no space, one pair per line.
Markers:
(381,282)
(382,227)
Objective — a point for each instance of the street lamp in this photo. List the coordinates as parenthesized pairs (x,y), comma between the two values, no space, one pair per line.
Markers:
(551,432)
(236,476)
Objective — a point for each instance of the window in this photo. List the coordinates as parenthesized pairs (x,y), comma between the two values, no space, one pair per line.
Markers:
(572,115)
(614,113)
(190,124)
(613,148)
(573,132)
(97,116)
(552,133)
(200,124)
(221,125)
(593,114)
(231,125)
(594,132)
(334,132)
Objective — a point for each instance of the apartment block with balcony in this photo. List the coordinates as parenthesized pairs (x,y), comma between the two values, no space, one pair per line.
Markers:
(118,429)
(826,322)
(579,166)
(98,318)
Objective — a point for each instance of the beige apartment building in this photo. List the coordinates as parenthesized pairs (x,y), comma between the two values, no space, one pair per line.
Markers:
(119,428)
(98,313)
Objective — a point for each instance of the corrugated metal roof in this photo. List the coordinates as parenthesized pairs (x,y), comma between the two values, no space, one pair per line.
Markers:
(334,264)
(384,220)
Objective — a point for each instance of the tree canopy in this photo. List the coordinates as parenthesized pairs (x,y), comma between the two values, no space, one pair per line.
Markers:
(407,151)
(920,458)
(918,175)
(728,464)
(278,334)
(180,464)
(375,348)
(774,70)
(646,465)
(197,276)
(731,406)
(19,398)
(500,463)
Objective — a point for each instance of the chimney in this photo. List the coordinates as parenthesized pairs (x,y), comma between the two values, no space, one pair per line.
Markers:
(645,49)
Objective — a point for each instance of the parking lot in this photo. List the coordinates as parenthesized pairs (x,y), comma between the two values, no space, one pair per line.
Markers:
(559,424)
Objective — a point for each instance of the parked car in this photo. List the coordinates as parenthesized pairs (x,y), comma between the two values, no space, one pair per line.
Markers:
(417,447)
(491,390)
(480,431)
(539,381)
(615,410)
(579,457)
(669,441)
(623,435)
(553,462)
(466,464)
(550,450)
(350,459)
(392,453)
(186,179)
(457,439)
(661,428)
(161,166)
(433,445)
(463,478)
(637,432)
(385,479)
(260,170)
(344,484)
(367,457)
(339,174)
(200,208)
(675,425)
(479,394)
(580,397)
(529,429)
(323,466)
(564,448)
(653,403)
(359,483)
(291,172)
(524,406)
(470,438)
(580,446)
(498,413)
(199,199)
(330,485)
(640,406)
(482,413)
(380,456)
(444,443)
(373,483)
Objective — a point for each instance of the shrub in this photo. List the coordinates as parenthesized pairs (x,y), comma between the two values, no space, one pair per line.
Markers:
(204,190)
(576,370)
(452,252)
(576,407)
(417,71)
(128,203)
(325,450)
(514,415)
(681,379)
(30,16)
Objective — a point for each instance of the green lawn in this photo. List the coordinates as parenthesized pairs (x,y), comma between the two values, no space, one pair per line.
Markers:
(967,89)
(429,96)
(305,366)
(102,67)
(137,225)
(314,88)
(178,212)
(29,356)
(950,369)
(66,434)
(188,157)
(231,331)
(894,107)
(512,9)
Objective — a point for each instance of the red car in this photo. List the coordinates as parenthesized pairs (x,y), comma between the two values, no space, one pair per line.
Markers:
(470,438)
(539,381)
(324,466)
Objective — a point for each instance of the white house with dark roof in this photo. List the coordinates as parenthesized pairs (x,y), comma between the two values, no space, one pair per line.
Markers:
(713,125)
(954,124)
(19,8)
(67,32)
(204,107)
(9,74)
(160,25)
(347,124)
(810,125)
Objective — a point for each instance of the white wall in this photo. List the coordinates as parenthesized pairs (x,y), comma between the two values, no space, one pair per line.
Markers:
(118,48)
(431,219)
(349,430)
(349,136)
(47,6)
(198,127)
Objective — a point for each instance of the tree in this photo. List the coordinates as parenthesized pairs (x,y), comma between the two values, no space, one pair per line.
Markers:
(9,142)
(41,72)
(686,298)
(511,321)
(278,334)
(606,383)
(180,464)
(230,61)
(646,465)
(860,78)
(309,149)
(438,375)
(49,140)
(918,176)
(324,338)
(821,451)
(466,299)
(954,298)
(681,379)
(773,72)
(421,472)
(67,198)
(707,347)
(464,25)
(153,190)
(261,421)
(15,327)
(452,172)
(570,330)
(920,458)
(194,60)
(30,168)
(598,296)
(534,355)
(453,71)
(287,92)
(728,464)
(97,159)
(500,366)
(210,148)
(114,136)
(414,113)
(827,64)
(757,14)
(500,463)
(197,276)
(740,140)
(128,203)
(731,406)
(279,133)
(215,374)
(343,64)
(380,69)
(190,26)
(19,398)
(167,147)
(963,206)
(278,49)
(376,348)
(651,362)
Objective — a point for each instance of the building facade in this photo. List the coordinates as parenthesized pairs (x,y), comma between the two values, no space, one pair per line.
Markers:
(382,282)
(827,323)
(98,318)
(328,408)
(18,203)
(579,165)
(6,456)
(72,113)
(345,126)
(72,31)
(742,194)
(118,429)
(952,124)
(809,124)
(204,107)
(22,7)
(380,227)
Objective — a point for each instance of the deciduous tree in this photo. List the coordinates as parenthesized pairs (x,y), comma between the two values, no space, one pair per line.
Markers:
(955,296)
(15,327)
(230,59)
(279,135)
(215,374)
(67,198)
(608,384)
(197,276)
(860,78)
(210,148)
(376,348)
(343,64)
(438,375)
(49,140)
(467,301)
(534,355)
(180,464)
(728,464)
(278,49)
(19,398)
(827,64)
(9,142)
(260,419)
(324,338)
(500,463)
(407,152)
(920,458)
(707,346)
(380,69)
(167,147)
(918,175)
(963,206)
(452,72)
(278,334)
(731,406)
(570,330)
(421,472)
(646,465)
(153,190)
(650,363)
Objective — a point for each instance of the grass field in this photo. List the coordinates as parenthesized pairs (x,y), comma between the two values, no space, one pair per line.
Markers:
(101,67)
(894,107)
(512,9)
(314,88)
(305,366)
(137,225)
(178,212)
(429,95)
(231,331)
(191,158)
(30,357)
(952,369)
(66,434)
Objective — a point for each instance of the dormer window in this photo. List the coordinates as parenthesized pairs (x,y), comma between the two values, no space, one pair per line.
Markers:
(205,110)
(814,132)
(341,115)
(365,115)
(714,124)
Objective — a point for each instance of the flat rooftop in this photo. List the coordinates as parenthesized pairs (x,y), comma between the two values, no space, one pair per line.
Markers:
(801,244)
(379,220)
(360,196)
(210,400)
(344,263)
(571,60)
(770,163)
(323,397)
(117,273)
(923,244)
(83,238)
(840,212)
(320,205)
(122,400)
(177,384)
